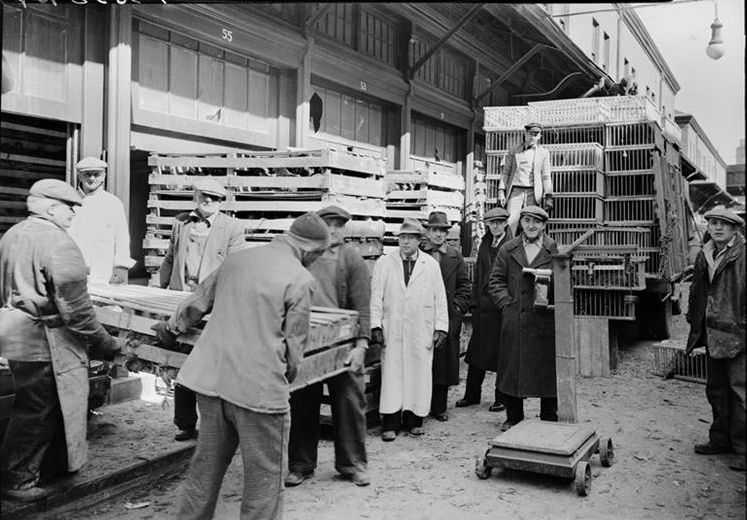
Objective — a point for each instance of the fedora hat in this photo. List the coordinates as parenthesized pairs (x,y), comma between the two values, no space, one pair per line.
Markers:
(410,227)
(437,219)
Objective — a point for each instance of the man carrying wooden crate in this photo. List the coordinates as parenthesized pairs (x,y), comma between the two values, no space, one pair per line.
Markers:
(342,281)
(200,241)
(259,301)
(716,314)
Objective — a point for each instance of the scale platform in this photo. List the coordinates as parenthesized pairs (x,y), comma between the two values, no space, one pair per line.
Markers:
(559,449)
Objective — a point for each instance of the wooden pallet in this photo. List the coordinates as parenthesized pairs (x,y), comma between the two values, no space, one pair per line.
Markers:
(424,197)
(433,178)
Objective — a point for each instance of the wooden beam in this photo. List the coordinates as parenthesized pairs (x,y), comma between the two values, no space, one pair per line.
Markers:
(566,365)
(557,87)
(316,16)
(511,70)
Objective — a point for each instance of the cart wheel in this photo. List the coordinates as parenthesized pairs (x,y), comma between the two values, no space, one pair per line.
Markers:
(482,470)
(606,452)
(583,478)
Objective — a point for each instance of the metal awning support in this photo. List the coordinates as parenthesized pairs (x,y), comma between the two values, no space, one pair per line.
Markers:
(510,71)
(559,86)
(462,21)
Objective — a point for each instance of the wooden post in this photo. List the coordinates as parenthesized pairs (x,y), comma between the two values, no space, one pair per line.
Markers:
(405,129)
(94,55)
(565,344)
(303,90)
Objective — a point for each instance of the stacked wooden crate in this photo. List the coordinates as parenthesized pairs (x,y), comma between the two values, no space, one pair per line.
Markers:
(266,190)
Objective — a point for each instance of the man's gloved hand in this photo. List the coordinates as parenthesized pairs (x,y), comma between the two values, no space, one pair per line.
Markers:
(439,338)
(377,336)
(548,203)
(502,198)
(119,276)
(357,357)
(164,334)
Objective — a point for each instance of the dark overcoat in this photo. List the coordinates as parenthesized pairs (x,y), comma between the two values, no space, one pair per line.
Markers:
(484,343)
(456,282)
(526,366)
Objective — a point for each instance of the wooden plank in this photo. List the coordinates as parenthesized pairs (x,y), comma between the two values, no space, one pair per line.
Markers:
(454,215)
(428,197)
(429,178)
(30,174)
(33,130)
(592,338)
(32,160)
(367,208)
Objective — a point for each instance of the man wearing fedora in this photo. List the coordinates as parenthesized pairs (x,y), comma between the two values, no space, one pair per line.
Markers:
(409,318)
(200,241)
(484,345)
(525,179)
(716,314)
(100,226)
(456,283)
(526,364)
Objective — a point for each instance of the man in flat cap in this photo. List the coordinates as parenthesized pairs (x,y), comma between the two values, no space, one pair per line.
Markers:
(48,328)
(456,283)
(484,345)
(342,281)
(241,366)
(525,179)
(200,241)
(716,314)
(410,318)
(526,364)
(100,227)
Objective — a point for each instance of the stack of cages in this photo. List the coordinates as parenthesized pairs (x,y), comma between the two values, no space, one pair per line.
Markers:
(267,191)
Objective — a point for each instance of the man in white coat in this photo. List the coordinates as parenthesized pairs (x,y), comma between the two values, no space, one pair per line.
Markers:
(409,318)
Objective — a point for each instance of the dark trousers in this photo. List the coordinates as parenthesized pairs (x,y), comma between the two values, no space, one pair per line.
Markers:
(262,439)
(473,387)
(400,421)
(725,390)
(185,408)
(439,398)
(515,408)
(34,445)
(348,403)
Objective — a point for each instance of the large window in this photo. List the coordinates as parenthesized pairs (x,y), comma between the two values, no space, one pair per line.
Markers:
(434,140)
(347,115)
(446,69)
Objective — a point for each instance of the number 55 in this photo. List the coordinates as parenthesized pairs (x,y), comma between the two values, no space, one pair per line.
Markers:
(227,35)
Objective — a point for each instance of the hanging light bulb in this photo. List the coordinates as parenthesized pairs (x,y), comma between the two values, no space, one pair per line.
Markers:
(716,47)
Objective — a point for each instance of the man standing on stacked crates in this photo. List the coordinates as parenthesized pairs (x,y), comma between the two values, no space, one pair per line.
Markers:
(716,314)
(342,281)
(525,179)
(200,241)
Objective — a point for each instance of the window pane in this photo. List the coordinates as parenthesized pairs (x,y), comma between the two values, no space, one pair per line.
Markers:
(235,113)
(183,84)
(211,88)
(153,68)
(348,117)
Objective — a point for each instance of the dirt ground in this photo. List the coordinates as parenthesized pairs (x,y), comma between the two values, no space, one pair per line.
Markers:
(653,424)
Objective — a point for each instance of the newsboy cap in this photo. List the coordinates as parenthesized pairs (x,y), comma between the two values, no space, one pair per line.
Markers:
(310,232)
(334,212)
(411,227)
(534,211)
(496,214)
(725,215)
(55,189)
(210,186)
(530,126)
(438,220)
(90,163)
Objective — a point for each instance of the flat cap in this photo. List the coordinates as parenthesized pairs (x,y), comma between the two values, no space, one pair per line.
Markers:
(55,189)
(334,211)
(210,187)
(725,215)
(534,211)
(411,227)
(90,163)
(496,214)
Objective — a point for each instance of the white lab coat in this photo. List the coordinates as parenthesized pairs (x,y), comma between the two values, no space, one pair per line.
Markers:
(408,315)
(102,233)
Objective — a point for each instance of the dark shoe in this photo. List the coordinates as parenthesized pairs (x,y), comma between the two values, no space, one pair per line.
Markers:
(185,435)
(31,494)
(712,449)
(443,416)
(417,431)
(295,478)
(360,478)
(497,407)
(737,463)
(461,403)
(388,435)
(507,425)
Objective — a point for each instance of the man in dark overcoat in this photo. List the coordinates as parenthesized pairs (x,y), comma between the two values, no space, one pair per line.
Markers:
(483,349)
(716,313)
(526,366)
(456,281)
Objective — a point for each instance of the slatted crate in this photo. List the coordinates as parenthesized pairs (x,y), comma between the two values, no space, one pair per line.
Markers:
(491,186)
(630,109)
(573,134)
(415,198)
(495,162)
(631,135)
(630,184)
(608,273)
(577,207)
(507,117)
(614,305)
(503,141)
(565,232)
(671,361)
(576,156)
(419,178)
(573,111)
(578,182)
(630,210)
(629,160)
(653,260)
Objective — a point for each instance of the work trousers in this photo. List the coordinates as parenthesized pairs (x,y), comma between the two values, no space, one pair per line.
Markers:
(518,199)
(402,420)
(473,387)
(725,393)
(439,399)
(348,403)
(262,439)
(185,408)
(34,445)
(515,408)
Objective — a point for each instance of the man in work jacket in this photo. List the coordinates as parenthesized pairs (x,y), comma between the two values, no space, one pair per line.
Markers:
(259,301)
(410,318)
(716,314)
(342,281)
(100,226)
(47,325)
(526,364)
(200,241)
(456,283)
(525,179)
